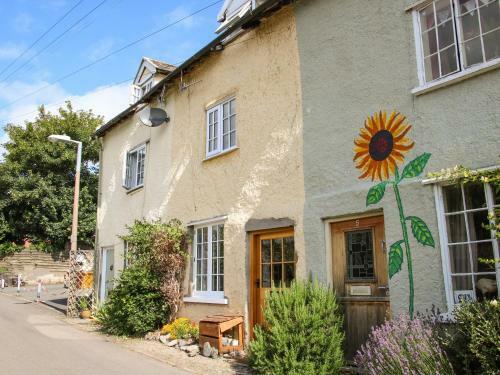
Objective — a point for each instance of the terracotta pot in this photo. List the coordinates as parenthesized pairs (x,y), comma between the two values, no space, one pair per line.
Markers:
(85,314)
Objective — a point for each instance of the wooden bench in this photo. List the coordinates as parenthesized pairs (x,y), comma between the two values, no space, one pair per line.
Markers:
(221,331)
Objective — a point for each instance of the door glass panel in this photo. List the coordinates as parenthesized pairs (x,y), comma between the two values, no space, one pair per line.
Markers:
(359,246)
(490,16)
(277,250)
(289,252)
(277,275)
(492,45)
(289,273)
(483,257)
(266,251)
(473,52)
(266,276)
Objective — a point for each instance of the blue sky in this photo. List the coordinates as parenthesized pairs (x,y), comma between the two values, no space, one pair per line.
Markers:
(112,25)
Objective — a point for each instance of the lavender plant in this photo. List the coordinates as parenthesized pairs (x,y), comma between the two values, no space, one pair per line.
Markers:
(403,346)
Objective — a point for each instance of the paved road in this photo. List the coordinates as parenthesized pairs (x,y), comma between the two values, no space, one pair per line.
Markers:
(34,339)
(54,295)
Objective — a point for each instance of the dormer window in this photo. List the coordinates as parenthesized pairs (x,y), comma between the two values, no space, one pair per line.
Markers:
(150,73)
(233,10)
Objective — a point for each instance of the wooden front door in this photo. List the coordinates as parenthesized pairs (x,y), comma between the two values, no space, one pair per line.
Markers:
(273,267)
(360,278)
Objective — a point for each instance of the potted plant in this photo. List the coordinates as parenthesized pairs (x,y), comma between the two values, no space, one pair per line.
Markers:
(85,312)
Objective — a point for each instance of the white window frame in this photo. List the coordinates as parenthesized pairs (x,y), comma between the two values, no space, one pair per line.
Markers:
(462,72)
(146,87)
(217,133)
(136,184)
(443,239)
(209,294)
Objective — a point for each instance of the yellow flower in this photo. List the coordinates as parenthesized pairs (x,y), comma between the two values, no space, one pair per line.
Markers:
(494,303)
(382,145)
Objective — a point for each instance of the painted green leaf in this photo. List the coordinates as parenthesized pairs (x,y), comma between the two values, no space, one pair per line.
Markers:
(376,193)
(420,231)
(415,167)
(395,258)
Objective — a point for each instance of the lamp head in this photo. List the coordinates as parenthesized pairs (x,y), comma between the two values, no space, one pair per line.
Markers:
(60,138)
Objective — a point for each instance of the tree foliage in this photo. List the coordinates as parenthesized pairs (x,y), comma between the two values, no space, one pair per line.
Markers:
(37,180)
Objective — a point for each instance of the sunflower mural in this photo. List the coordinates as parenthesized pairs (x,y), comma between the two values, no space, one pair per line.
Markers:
(379,152)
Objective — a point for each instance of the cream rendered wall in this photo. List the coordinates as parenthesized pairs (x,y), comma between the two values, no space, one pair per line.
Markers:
(358,57)
(261,179)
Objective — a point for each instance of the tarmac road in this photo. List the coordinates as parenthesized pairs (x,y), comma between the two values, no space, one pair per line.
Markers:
(35,339)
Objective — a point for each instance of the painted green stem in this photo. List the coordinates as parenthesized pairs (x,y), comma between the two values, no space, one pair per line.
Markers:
(402,218)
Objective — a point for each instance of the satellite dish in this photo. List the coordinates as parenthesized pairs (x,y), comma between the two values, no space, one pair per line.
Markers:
(153,117)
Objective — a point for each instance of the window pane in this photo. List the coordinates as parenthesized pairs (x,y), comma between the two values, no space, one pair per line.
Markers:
(232,140)
(429,42)
(214,266)
(470,25)
(225,125)
(443,10)
(492,45)
(453,198)
(198,282)
(480,252)
(476,221)
(427,17)
(360,254)
(266,276)
(289,273)
(233,106)
(277,250)
(225,142)
(266,251)
(225,110)
(490,16)
(448,60)
(486,287)
(459,259)
(214,234)
(446,35)
(204,283)
(205,234)
(456,228)
(221,249)
(431,68)
(474,196)
(288,244)
(198,250)
(220,283)
(466,5)
(204,266)
(277,275)
(221,266)
(232,124)
(473,52)
(214,283)
(462,288)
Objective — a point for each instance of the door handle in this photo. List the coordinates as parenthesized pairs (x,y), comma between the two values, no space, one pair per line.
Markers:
(384,287)
(257,283)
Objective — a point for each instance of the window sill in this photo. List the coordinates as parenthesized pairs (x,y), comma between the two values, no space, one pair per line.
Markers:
(457,77)
(207,300)
(133,190)
(221,153)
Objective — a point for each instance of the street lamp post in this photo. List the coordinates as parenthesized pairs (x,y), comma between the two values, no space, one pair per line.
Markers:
(72,310)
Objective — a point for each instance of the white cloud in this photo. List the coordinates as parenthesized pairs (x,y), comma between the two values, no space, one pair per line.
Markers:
(10,51)
(106,101)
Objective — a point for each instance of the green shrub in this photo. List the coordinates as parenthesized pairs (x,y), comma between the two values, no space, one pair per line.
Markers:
(303,332)
(135,306)
(474,339)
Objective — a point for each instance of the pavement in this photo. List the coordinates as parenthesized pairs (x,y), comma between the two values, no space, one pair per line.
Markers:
(36,339)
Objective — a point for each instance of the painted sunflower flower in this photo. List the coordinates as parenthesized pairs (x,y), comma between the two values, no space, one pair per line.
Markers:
(382,145)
